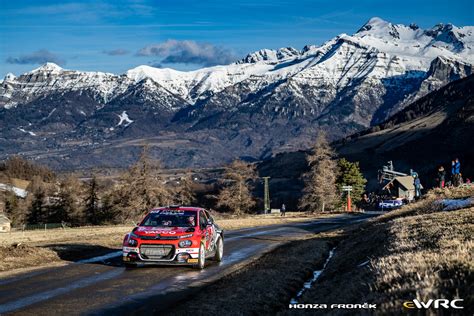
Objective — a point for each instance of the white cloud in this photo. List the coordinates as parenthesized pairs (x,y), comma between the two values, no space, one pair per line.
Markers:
(189,52)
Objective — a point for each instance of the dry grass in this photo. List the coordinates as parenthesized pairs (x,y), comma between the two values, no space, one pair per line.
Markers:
(16,256)
(430,256)
(82,234)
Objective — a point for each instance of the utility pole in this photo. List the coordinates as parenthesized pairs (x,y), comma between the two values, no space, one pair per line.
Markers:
(266,196)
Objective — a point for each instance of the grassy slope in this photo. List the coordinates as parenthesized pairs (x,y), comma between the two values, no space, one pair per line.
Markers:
(417,252)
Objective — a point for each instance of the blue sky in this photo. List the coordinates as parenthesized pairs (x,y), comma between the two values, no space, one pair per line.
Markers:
(116,35)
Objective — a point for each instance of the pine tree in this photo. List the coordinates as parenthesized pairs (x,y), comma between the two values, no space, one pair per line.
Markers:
(66,207)
(236,193)
(36,214)
(319,192)
(349,174)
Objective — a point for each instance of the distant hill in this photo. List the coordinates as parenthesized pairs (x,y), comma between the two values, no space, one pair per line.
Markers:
(429,132)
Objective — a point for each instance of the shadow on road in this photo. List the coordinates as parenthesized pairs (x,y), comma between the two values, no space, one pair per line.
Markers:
(76,252)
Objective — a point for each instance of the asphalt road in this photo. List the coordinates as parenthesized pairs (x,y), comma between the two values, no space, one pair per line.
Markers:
(106,287)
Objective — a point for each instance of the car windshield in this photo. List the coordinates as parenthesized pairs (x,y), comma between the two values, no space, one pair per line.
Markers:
(170,218)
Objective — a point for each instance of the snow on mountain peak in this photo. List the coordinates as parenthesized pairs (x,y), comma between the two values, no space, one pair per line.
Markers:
(270,55)
(48,67)
(378,49)
(9,77)
(374,24)
(260,55)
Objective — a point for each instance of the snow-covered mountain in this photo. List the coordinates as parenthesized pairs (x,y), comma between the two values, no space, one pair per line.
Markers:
(269,101)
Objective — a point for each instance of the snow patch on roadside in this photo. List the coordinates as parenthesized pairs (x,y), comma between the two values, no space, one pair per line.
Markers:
(316,275)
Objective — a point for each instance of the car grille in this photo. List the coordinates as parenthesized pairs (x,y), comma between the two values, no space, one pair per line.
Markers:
(158,237)
(153,252)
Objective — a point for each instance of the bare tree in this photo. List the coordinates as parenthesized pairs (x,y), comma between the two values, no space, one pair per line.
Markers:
(236,195)
(320,181)
(139,189)
(184,194)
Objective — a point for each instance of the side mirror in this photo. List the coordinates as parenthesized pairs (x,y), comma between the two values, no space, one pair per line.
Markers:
(210,222)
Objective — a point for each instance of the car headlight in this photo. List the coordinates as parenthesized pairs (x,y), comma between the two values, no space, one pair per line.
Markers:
(132,242)
(185,243)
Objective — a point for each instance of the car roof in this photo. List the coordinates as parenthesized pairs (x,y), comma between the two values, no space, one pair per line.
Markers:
(178,208)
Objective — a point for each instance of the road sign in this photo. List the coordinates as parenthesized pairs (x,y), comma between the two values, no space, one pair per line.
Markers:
(348,189)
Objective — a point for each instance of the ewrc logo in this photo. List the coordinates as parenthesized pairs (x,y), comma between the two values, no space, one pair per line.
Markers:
(445,303)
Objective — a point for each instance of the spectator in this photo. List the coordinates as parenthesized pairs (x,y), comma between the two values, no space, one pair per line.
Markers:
(457,166)
(283,210)
(456,172)
(417,184)
(441,176)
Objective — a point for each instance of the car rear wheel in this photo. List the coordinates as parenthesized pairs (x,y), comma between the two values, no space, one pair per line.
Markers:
(202,257)
(219,250)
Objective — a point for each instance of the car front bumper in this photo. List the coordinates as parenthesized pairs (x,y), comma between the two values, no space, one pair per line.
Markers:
(133,255)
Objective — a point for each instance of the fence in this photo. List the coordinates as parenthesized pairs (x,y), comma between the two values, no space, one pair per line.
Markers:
(45,226)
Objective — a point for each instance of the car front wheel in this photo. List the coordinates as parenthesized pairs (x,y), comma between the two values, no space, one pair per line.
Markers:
(202,257)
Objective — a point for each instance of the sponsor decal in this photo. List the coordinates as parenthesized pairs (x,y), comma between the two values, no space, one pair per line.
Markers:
(156,231)
(187,250)
(168,212)
(333,306)
(129,249)
(193,260)
(437,304)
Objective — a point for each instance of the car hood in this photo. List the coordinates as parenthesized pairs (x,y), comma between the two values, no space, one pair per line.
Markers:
(162,231)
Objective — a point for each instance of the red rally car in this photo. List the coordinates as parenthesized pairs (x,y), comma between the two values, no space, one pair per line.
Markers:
(174,235)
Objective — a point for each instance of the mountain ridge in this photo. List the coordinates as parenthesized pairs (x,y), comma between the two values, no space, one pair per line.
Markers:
(268,102)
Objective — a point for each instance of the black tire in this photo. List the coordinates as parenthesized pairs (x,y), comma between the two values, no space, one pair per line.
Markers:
(202,258)
(130,265)
(219,250)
